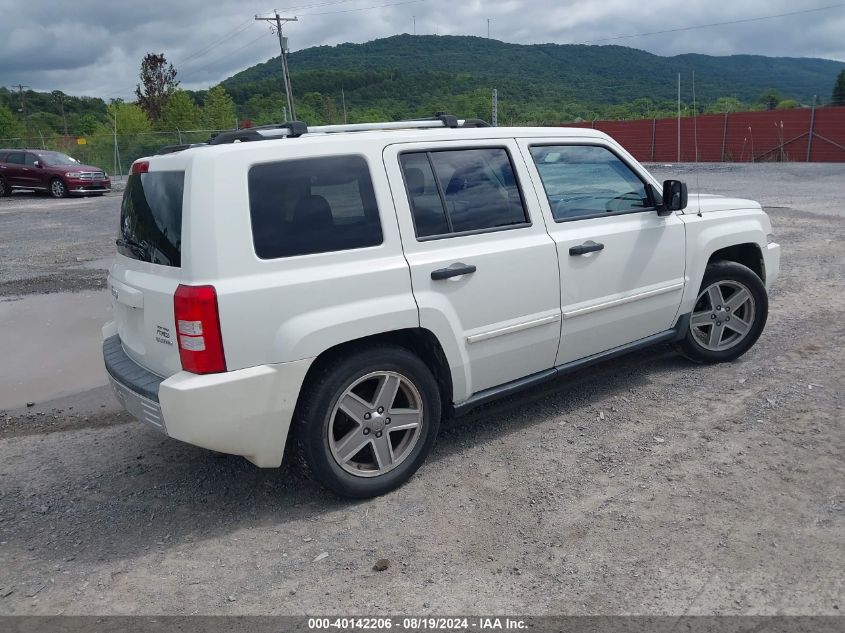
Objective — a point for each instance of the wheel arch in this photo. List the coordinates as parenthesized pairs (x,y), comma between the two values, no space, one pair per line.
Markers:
(749,254)
(419,341)
(730,236)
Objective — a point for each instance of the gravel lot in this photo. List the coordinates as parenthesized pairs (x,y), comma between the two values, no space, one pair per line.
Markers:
(645,485)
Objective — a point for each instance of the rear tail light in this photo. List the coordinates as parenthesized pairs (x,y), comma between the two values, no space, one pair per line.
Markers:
(198,329)
(140,167)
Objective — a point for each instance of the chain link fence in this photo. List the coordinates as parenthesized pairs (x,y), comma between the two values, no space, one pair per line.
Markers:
(113,153)
(812,135)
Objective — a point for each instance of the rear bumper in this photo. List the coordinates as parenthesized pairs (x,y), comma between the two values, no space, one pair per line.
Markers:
(245,412)
(135,387)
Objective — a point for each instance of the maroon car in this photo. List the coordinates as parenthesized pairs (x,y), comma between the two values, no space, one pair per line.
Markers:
(56,173)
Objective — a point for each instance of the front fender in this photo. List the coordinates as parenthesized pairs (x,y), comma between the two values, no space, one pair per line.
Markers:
(714,231)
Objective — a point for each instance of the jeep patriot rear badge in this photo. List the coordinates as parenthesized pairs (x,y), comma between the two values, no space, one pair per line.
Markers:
(163,335)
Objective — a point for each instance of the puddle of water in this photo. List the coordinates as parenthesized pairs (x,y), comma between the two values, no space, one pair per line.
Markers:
(51,346)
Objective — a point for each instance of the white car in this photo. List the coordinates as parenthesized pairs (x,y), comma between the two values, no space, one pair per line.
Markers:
(345,287)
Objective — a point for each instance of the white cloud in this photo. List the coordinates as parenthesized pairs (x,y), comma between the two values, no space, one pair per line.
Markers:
(93,47)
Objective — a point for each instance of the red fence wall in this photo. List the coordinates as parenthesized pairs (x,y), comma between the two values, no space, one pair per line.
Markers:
(777,135)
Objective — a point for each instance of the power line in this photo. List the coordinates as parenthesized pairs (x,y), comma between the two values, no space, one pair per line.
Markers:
(194,71)
(706,26)
(314,6)
(229,35)
(378,6)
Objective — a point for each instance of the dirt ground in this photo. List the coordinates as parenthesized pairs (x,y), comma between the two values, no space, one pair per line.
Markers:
(646,485)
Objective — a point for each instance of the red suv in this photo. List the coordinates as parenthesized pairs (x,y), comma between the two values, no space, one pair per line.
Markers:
(56,173)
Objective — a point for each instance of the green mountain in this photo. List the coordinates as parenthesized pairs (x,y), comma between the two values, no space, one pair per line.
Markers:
(404,75)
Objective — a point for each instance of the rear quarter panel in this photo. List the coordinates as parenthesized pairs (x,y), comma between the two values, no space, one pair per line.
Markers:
(282,310)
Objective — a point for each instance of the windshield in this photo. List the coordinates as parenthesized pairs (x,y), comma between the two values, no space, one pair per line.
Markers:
(151,218)
(57,158)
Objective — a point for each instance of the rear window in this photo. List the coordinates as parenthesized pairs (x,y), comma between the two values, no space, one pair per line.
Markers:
(151,218)
(312,205)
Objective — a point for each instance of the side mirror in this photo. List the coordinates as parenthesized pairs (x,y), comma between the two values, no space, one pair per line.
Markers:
(38,164)
(674,197)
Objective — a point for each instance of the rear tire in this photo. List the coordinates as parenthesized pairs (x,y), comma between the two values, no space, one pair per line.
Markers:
(383,400)
(5,189)
(729,314)
(58,188)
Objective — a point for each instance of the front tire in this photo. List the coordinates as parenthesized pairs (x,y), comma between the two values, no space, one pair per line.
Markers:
(5,189)
(58,188)
(367,421)
(729,314)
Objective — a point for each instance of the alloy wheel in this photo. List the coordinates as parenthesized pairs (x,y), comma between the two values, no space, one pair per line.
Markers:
(723,315)
(375,424)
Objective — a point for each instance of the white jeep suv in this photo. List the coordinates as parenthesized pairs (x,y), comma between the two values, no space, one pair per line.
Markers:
(344,287)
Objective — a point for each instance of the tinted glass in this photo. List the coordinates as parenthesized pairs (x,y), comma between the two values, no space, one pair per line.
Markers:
(151,217)
(312,205)
(585,181)
(15,158)
(478,186)
(426,205)
(30,159)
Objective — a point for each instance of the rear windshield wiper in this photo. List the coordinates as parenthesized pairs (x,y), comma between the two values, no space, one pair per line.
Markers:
(127,242)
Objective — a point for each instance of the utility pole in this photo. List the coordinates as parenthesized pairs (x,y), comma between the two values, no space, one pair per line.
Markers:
(283,46)
(59,96)
(117,167)
(488,28)
(495,119)
(679,117)
(343,98)
(415,25)
(22,109)
(812,129)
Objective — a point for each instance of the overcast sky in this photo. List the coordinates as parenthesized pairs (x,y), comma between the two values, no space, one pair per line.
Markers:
(94,47)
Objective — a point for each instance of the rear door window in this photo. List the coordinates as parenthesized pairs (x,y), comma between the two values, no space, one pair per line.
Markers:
(16,158)
(151,218)
(462,191)
(312,205)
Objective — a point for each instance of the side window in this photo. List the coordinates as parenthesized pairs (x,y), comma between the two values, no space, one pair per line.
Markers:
(588,181)
(30,159)
(312,205)
(457,191)
(16,158)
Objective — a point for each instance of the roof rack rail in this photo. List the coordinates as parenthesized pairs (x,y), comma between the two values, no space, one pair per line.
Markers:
(261,133)
(475,123)
(294,129)
(171,149)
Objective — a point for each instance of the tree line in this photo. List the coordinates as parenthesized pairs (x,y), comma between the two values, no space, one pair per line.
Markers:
(163,113)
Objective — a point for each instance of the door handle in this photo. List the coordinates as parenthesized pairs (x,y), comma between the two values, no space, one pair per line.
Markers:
(455,270)
(587,247)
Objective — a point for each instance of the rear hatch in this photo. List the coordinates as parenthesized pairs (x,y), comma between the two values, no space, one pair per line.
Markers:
(147,270)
